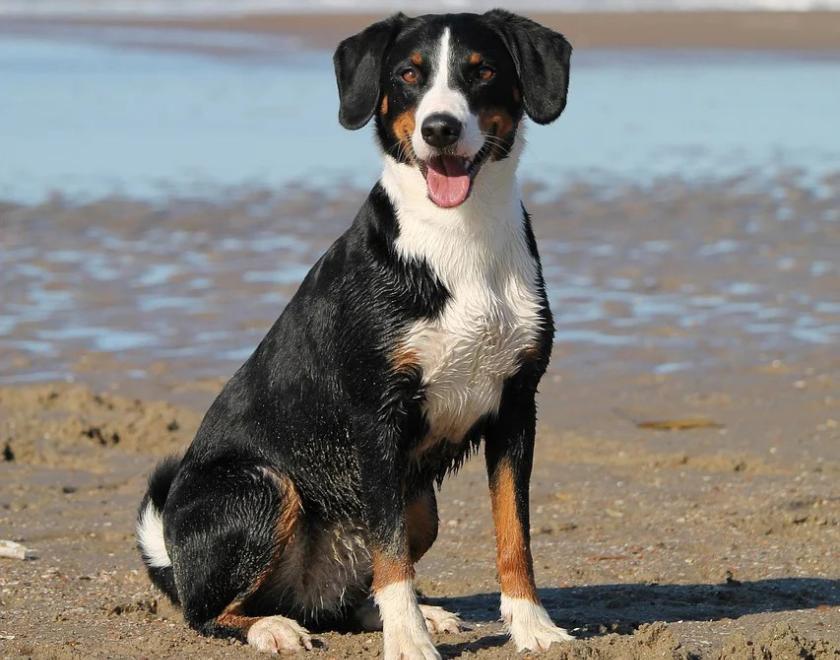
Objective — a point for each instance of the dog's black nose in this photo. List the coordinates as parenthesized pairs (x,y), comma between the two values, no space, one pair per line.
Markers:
(440,130)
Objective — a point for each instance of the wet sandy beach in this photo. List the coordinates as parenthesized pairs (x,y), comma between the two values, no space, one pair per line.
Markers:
(685,500)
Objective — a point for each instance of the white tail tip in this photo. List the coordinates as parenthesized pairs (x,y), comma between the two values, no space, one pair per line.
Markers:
(150,538)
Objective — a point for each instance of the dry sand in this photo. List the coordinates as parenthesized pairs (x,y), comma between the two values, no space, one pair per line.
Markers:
(713,542)
(719,540)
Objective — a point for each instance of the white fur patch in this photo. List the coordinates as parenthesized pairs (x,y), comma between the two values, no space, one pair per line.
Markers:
(530,626)
(479,252)
(150,537)
(440,97)
(277,633)
(403,625)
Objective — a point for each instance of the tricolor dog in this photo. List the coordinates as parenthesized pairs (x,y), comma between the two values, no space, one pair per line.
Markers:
(308,493)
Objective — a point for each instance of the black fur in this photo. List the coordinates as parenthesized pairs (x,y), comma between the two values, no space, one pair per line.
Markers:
(358,61)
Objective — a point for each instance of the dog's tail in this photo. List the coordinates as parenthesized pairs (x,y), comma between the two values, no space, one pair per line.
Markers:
(150,540)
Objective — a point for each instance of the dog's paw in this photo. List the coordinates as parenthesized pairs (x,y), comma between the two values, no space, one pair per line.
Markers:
(438,620)
(530,626)
(401,646)
(273,634)
(408,639)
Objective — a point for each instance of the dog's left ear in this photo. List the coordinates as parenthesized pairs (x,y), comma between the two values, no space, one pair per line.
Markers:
(542,60)
(358,64)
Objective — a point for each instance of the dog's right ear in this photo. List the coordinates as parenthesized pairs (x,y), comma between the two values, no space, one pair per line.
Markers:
(541,57)
(358,64)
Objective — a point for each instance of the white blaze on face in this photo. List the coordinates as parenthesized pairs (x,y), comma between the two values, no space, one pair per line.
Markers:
(441,97)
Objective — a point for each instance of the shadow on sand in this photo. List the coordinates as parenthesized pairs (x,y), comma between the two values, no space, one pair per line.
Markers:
(621,608)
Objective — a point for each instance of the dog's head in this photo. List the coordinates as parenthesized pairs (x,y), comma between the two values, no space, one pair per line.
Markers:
(449,91)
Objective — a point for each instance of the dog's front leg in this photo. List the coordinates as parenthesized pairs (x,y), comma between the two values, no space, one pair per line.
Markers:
(403,626)
(509,454)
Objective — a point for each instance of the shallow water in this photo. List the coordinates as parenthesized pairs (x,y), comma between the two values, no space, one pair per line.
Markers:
(206,233)
(131,115)
(659,279)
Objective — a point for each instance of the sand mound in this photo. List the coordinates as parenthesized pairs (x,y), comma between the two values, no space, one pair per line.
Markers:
(65,425)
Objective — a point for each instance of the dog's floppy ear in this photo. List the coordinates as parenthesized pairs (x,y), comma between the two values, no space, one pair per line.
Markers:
(542,60)
(358,63)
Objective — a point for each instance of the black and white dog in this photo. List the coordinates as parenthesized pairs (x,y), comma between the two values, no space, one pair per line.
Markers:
(424,329)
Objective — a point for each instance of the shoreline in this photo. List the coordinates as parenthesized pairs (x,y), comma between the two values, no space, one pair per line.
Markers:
(731,30)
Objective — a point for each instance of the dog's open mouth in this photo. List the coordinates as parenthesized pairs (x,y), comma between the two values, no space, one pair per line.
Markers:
(449,179)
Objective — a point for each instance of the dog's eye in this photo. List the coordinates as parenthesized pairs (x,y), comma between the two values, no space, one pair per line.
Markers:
(409,75)
(486,73)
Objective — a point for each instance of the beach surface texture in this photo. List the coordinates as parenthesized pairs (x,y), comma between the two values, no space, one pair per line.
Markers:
(684,500)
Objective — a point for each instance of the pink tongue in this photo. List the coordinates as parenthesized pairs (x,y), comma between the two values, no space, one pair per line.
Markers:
(447,181)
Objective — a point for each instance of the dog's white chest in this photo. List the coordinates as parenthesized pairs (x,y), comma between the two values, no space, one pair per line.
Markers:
(480,252)
(468,352)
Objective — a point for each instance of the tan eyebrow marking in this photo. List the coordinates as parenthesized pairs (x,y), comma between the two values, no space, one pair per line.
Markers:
(475,58)
(416,58)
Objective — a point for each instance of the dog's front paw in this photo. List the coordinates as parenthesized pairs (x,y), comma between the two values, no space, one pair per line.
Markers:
(438,620)
(273,634)
(530,626)
(403,645)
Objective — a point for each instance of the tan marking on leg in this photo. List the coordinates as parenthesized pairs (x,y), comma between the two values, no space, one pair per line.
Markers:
(388,569)
(232,617)
(287,522)
(289,516)
(416,58)
(475,58)
(383,107)
(421,523)
(513,556)
(270,633)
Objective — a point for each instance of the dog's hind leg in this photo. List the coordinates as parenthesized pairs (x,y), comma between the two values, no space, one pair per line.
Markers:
(227,526)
